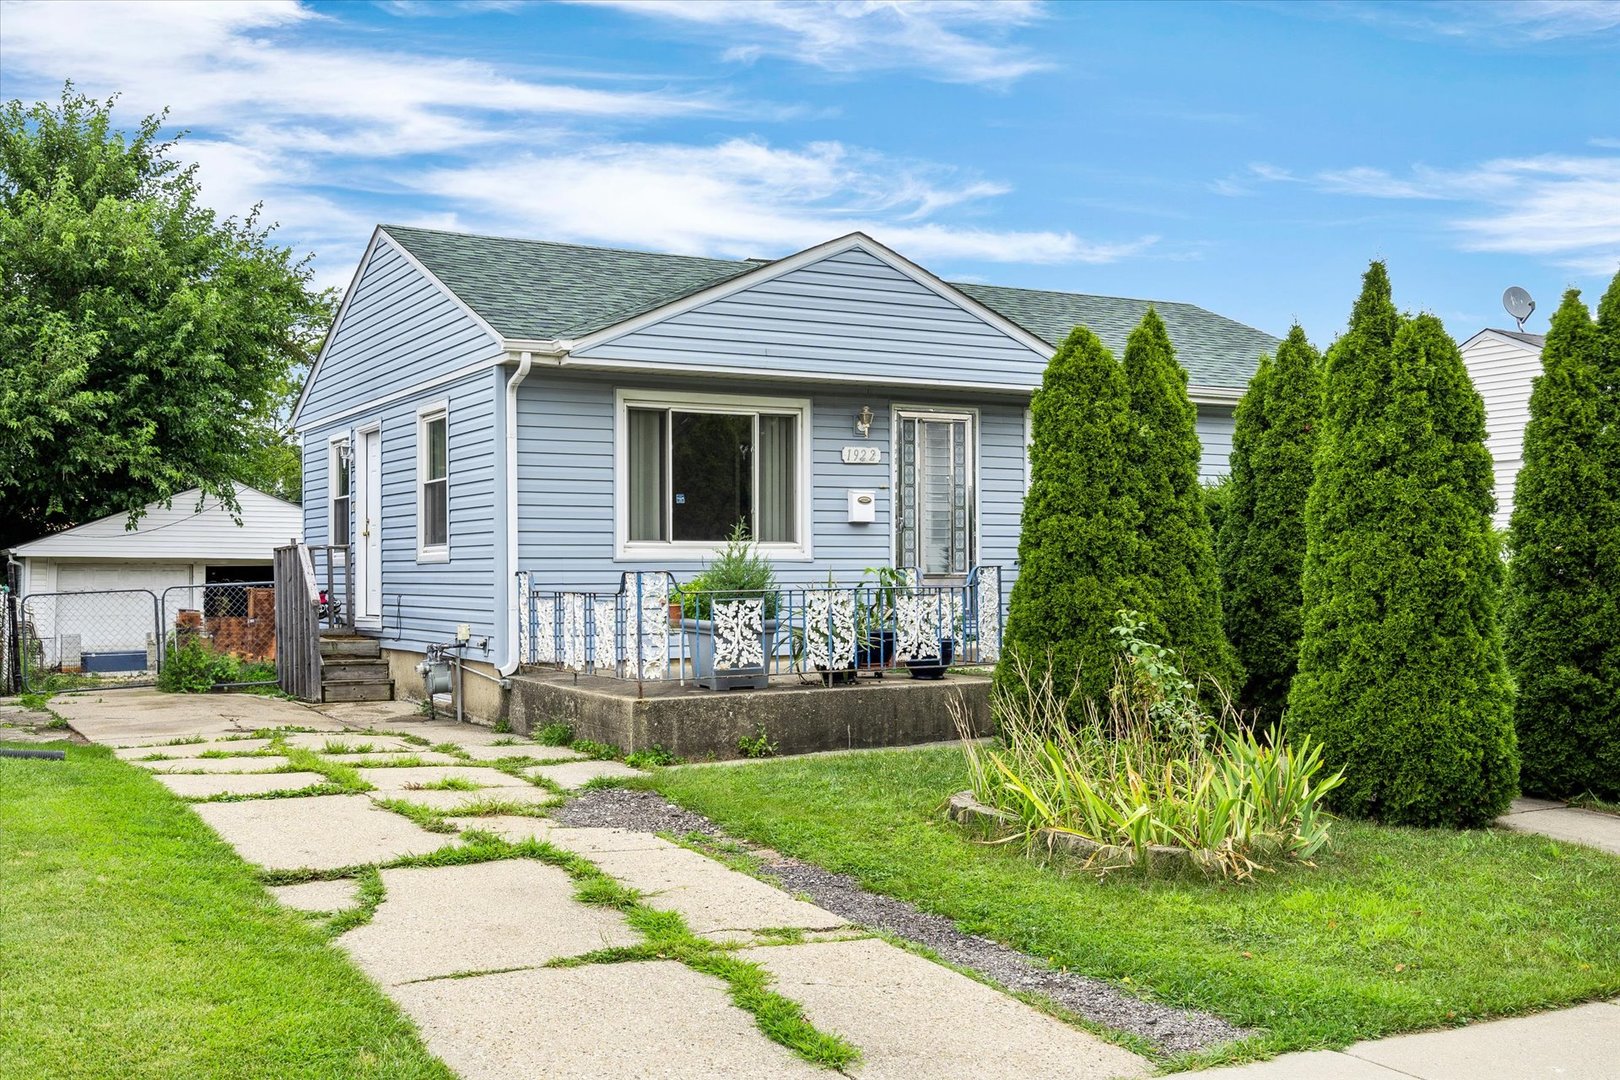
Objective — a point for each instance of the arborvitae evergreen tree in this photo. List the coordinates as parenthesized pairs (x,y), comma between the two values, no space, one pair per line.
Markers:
(1261,544)
(1177,549)
(1563,626)
(1401,672)
(1077,548)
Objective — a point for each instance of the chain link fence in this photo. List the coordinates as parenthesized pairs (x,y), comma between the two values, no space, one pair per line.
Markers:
(67,640)
(228,628)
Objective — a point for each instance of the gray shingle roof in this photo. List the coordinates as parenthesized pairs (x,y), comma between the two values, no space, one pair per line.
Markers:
(1538,340)
(536,289)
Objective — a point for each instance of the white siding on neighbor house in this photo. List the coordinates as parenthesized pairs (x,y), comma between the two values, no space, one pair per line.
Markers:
(398,328)
(848,316)
(1215,440)
(181,531)
(1502,370)
(423,601)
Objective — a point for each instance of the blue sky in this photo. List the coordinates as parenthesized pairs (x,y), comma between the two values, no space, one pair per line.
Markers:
(1247,157)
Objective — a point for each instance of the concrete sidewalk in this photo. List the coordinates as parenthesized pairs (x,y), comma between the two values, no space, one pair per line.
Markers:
(1569,823)
(1582,1043)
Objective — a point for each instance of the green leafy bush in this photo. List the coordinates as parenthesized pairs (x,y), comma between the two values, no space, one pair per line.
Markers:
(194,667)
(1563,619)
(1262,537)
(1149,768)
(1217,501)
(1077,546)
(738,572)
(653,757)
(1401,675)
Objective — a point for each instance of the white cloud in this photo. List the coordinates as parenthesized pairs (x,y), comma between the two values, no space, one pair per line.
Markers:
(956,41)
(744,198)
(1502,24)
(1562,207)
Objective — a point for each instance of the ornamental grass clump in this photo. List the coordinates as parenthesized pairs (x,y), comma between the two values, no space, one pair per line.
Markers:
(1148,769)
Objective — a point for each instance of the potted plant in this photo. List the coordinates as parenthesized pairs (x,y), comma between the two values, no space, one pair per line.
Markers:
(933,667)
(800,640)
(874,623)
(729,639)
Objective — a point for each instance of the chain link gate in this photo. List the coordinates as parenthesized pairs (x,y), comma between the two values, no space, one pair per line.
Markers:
(106,638)
(226,629)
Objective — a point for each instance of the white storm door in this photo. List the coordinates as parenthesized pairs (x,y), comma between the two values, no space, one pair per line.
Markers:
(368,524)
(935,493)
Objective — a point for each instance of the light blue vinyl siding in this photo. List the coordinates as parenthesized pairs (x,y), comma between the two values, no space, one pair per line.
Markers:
(423,602)
(1215,437)
(849,316)
(565,481)
(398,329)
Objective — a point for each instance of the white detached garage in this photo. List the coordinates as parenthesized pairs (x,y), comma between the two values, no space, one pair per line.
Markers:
(192,542)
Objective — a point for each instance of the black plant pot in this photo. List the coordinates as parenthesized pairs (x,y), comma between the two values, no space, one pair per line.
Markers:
(877,652)
(933,667)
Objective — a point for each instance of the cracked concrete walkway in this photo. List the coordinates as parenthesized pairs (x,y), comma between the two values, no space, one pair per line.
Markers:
(1569,823)
(470,951)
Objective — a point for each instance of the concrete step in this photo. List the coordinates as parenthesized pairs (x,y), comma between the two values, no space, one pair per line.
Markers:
(364,647)
(358,691)
(357,669)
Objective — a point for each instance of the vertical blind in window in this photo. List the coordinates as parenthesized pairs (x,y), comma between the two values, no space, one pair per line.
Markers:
(693,475)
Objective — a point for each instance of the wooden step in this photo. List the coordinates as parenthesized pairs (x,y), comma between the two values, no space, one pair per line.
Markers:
(364,647)
(354,669)
(358,691)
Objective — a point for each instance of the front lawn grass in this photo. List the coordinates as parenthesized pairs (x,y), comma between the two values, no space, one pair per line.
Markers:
(135,943)
(1394,930)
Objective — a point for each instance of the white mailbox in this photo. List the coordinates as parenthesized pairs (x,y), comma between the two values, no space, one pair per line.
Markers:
(862,507)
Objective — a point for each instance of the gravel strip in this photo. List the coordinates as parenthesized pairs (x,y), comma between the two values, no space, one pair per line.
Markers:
(1171,1029)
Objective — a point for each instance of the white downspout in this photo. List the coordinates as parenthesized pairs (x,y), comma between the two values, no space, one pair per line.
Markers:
(509,664)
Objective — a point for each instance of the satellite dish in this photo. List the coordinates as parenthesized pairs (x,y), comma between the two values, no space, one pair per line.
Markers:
(1518,304)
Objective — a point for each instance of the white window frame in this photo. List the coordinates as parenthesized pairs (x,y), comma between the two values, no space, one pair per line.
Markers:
(436,553)
(626,550)
(337,449)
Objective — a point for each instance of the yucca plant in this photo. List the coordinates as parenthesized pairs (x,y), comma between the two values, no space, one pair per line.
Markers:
(1141,770)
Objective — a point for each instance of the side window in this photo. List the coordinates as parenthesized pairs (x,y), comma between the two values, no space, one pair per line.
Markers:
(338,471)
(433,488)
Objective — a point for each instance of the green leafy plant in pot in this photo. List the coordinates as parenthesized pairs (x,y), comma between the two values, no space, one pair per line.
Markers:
(720,626)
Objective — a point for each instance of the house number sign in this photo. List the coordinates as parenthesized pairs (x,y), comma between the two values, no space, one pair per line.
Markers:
(863,455)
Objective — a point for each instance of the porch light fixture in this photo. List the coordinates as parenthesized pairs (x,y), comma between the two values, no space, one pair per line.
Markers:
(863,421)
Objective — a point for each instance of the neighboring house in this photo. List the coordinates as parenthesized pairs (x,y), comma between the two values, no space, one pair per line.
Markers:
(192,542)
(1503,364)
(486,405)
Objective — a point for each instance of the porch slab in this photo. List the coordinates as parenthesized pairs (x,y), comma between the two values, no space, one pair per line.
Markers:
(321,832)
(576,774)
(437,774)
(215,765)
(207,785)
(917,1020)
(317,896)
(527,795)
(451,920)
(799,717)
(655,1019)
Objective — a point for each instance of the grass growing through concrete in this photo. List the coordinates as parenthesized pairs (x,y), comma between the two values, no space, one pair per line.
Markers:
(137,944)
(1393,930)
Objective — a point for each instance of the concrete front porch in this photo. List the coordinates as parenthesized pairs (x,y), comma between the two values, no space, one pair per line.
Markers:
(798,716)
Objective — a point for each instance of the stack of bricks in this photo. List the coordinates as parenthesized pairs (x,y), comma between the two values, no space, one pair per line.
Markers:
(250,637)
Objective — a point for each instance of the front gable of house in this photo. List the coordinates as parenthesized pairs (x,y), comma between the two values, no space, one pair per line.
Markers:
(849,311)
(398,326)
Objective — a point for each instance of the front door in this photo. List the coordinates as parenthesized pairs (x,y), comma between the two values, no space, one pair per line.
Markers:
(368,522)
(934,493)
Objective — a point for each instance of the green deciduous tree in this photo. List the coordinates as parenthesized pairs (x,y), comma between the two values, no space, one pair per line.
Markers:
(146,345)
(1077,551)
(1261,543)
(1401,673)
(1563,624)
(1176,549)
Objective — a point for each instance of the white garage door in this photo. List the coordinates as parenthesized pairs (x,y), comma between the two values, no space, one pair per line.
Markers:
(105,618)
